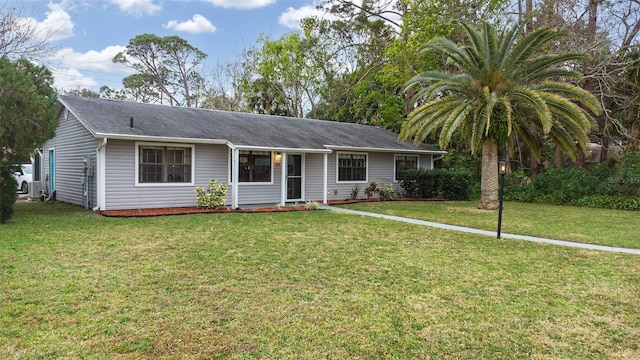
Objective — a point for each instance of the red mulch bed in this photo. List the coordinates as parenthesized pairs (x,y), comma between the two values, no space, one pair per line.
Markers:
(195,210)
(191,210)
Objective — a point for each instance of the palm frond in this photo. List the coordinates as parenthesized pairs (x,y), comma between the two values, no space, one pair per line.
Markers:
(453,122)
(536,68)
(571,92)
(532,99)
(528,45)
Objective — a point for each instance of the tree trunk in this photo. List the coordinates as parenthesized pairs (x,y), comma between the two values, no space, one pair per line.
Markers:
(582,157)
(557,156)
(604,153)
(489,177)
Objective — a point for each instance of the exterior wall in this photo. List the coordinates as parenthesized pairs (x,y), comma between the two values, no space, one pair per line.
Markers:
(380,168)
(210,161)
(313,177)
(71,144)
(261,193)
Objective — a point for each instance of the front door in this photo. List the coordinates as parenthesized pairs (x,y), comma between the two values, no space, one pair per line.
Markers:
(294,177)
(52,170)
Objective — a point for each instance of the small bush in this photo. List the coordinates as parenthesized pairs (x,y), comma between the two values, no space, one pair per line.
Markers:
(213,196)
(388,193)
(354,192)
(371,190)
(311,205)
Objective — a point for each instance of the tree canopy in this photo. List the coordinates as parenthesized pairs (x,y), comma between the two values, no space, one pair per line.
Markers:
(500,84)
(167,70)
(27,119)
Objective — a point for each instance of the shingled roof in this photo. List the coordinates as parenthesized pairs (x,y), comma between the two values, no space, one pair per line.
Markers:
(111,119)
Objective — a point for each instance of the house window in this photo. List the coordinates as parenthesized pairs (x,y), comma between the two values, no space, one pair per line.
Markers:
(404,163)
(254,166)
(352,167)
(164,164)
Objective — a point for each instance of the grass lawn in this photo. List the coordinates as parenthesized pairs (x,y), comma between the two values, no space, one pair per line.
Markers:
(586,225)
(301,285)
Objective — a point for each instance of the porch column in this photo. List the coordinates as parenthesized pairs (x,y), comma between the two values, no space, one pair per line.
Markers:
(235,159)
(283,180)
(325,188)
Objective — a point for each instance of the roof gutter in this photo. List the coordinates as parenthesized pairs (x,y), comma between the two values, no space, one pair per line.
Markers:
(416,151)
(282,149)
(161,139)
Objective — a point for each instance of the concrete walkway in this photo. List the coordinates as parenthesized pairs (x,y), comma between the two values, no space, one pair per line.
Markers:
(484,232)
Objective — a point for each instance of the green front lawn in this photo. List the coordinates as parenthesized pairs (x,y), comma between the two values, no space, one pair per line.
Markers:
(586,225)
(301,285)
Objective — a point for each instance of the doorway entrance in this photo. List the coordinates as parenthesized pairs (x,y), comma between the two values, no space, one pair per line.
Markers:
(295,163)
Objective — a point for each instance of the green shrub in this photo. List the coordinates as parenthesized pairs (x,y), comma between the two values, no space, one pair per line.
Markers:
(8,194)
(600,186)
(420,183)
(456,184)
(354,192)
(213,196)
(388,193)
(627,174)
(311,205)
(609,202)
(371,190)
(451,184)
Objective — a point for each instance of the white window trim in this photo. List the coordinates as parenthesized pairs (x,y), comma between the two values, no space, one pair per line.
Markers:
(246,183)
(395,157)
(365,181)
(137,165)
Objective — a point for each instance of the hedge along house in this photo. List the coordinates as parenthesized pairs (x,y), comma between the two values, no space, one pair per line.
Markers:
(113,155)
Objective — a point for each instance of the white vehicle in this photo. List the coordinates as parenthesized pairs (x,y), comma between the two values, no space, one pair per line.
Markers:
(23,176)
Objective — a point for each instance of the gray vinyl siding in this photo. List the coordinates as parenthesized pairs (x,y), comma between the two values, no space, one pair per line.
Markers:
(380,169)
(262,193)
(71,144)
(314,181)
(210,161)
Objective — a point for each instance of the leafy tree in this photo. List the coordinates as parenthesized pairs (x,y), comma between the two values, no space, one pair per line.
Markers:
(27,119)
(285,77)
(224,90)
(500,85)
(167,70)
(88,93)
(380,42)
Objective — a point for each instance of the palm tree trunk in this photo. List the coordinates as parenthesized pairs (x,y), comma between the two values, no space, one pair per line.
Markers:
(489,176)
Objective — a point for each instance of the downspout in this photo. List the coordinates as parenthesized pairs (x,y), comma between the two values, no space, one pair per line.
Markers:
(434,159)
(234,174)
(99,174)
(283,178)
(325,188)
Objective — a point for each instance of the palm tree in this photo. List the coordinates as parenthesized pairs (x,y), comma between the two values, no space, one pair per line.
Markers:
(501,85)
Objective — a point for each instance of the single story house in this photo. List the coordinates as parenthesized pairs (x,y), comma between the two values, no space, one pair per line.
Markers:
(116,155)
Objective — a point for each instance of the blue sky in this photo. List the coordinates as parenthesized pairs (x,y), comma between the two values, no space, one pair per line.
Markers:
(88,33)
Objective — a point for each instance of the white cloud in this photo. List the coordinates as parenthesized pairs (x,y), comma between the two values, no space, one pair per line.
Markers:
(291,18)
(137,7)
(56,26)
(92,60)
(70,79)
(71,68)
(198,24)
(241,4)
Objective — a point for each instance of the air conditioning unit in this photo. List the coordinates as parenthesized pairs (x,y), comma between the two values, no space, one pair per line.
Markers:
(35,188)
